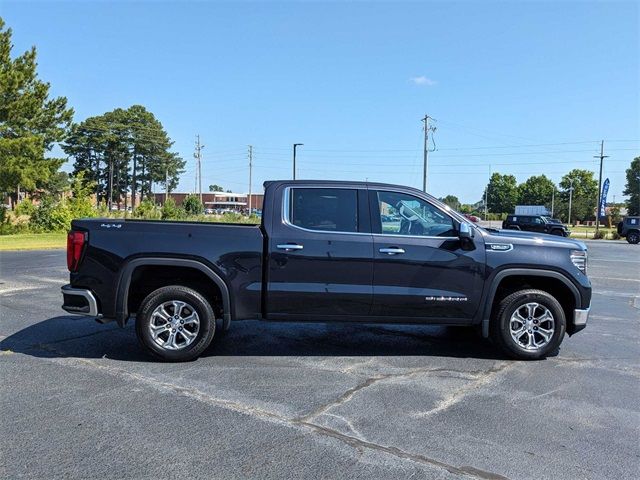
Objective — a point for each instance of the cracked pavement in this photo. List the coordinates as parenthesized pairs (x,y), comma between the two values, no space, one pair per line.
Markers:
(274,400)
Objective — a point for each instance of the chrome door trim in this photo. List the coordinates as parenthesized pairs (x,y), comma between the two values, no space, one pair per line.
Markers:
(392,250)
(289,246)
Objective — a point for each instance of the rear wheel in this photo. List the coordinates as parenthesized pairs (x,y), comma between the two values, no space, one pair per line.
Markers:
(633,237)
(528,325)
(175,323)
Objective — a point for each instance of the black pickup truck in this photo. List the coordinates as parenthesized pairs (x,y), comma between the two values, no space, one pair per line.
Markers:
(536,223)
(329,251)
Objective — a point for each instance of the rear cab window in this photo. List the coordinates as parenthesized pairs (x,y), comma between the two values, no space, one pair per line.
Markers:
(324,209)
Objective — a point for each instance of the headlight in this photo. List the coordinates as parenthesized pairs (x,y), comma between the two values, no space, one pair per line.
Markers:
(579,259)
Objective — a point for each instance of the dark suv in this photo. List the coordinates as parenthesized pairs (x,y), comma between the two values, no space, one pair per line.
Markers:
(535,223)
(630,228)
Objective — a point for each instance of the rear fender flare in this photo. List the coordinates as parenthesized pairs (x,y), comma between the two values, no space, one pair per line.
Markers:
(122,291)
(532,272)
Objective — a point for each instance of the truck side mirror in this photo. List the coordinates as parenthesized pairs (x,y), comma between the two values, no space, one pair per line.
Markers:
(465,231)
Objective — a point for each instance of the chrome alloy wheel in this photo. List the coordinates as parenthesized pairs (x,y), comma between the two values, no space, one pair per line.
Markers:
(532,326)
(174,325)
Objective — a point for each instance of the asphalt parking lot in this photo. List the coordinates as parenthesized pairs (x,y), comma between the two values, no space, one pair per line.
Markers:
(277,400)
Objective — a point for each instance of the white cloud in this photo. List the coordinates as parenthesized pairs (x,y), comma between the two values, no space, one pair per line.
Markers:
(423,81)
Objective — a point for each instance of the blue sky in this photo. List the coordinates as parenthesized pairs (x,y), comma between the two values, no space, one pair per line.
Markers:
(521,88)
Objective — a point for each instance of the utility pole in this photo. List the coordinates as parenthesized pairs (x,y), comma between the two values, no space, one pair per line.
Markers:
(571,180)
(110,200)
(553,198)
(198,156)
(602,156)
(166,183)
(295,145)
(250,172)
(486,197)
(425,171)
(97,157)
(134,182)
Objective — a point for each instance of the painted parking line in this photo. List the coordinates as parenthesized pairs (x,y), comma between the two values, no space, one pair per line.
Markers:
(616,278)
(16,289)
(607,260)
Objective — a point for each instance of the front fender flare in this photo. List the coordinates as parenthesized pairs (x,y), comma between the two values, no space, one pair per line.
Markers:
(532,272)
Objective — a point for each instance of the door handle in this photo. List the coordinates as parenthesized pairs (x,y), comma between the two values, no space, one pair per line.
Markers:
(289,247)
(391,250)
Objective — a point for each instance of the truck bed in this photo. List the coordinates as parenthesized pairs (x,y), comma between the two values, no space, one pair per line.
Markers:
(234,251)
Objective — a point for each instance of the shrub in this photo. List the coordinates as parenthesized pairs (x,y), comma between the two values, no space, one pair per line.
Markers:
(192,205)
(25,207)
(81,208)
(51,216)
(599,235)
(170,211)
(80,204)
(147,210)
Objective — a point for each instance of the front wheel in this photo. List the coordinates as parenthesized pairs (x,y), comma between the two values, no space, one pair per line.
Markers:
(175,323)
(633,237)
(557,232)
(528,325)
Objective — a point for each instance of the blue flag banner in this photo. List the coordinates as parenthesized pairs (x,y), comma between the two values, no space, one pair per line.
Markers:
(603,198)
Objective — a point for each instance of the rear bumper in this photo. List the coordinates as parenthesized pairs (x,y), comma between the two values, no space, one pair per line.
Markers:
(79,301)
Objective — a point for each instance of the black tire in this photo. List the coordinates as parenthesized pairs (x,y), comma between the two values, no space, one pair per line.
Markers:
(558,232)
(633,237)
(195,302)
(500,326)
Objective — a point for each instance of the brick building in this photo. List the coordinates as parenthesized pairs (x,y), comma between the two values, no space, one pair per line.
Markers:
(218,200)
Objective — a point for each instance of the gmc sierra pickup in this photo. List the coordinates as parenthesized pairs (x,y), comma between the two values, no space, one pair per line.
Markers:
(329,251)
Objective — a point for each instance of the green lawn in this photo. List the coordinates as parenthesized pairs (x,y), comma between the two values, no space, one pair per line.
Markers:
(579,232)
(33,241)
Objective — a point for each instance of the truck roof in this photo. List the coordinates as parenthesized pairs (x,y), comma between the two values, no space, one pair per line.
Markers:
(329,183)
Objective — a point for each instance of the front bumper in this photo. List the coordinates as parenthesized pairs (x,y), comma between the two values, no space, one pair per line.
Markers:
(79,301)
(580,317)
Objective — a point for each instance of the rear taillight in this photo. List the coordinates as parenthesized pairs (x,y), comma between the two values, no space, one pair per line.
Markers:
(75,245)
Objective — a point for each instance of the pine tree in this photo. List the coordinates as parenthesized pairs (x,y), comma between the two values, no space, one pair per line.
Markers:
(30,122)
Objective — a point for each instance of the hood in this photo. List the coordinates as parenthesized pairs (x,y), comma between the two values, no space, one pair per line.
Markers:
(527,238)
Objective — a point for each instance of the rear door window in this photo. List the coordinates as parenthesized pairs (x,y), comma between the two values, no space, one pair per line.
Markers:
(325,209)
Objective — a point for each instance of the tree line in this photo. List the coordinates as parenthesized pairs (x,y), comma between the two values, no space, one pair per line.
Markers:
(120,152)
(503,193)
(124,151)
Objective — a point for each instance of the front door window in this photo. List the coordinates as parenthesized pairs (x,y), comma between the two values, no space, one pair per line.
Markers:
(402,214)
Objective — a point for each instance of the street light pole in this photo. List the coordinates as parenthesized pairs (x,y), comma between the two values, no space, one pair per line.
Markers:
(295,145)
